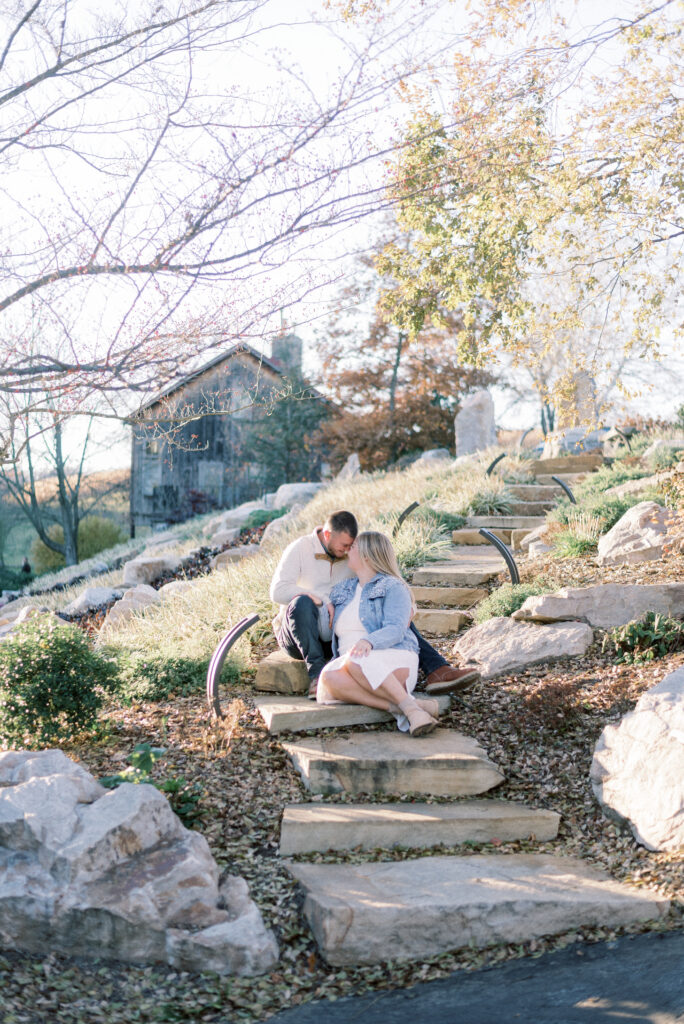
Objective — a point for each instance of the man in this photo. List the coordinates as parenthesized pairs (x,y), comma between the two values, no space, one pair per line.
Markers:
(308,570)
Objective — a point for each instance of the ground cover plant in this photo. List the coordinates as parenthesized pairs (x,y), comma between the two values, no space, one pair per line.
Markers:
(508,597)
(652,636)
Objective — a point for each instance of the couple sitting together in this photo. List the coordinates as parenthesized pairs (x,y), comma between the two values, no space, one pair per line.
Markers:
(342,596)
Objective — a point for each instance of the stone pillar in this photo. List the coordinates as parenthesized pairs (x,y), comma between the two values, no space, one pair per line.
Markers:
(474,424)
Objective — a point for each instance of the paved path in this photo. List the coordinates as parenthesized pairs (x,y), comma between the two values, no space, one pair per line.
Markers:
(634,980)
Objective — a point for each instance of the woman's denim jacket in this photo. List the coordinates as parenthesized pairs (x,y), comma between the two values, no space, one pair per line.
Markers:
(384,610)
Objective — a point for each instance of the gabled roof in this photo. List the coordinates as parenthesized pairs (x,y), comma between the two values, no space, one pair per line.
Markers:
(241,348)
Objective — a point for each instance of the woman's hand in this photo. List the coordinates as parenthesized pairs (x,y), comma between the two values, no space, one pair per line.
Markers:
(361,648)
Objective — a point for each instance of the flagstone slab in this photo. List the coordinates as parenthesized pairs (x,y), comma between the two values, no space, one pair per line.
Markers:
(278,673)
(448,597)
(506,522)
(474,537)
(444,763)
(406,910)
(299,714)
(440,620)
(307,828)
(536,492)
(566,464)
(450,574)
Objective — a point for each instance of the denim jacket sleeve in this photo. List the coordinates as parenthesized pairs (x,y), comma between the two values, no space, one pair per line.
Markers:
(396,616)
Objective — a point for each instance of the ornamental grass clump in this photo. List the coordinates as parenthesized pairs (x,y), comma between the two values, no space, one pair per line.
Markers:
(52,684)
(579,538)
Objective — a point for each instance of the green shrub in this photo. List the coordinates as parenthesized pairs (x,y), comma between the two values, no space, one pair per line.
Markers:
(263,515)
(652,636)
(11,580)
(95,534)
(183,796)
(155,677)
(580,537)
(52,683)
(508,598)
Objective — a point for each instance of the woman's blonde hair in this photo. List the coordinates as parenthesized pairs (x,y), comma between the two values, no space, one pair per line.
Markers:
(376,549)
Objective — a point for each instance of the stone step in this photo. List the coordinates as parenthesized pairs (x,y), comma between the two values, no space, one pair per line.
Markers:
(440,620)
(308,828)
(412,909)
(462,567)
(472,537)
(444,763)
(507,522)
(278,673)
(566,464)
(448,574)
(535,492)
(517,537)
(572,479)
(531,508)
(448,597)
(299,714)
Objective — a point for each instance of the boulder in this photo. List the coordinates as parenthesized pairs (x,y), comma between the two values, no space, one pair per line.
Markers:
(639,536)
(538,548)
(146,568)
(637,773)
(277,527)
(22,615)
(351,468)
(114,873)
(573,441)
(134,600)
(279,673)
(175,587)
(158,540)
(288,494)
(605,605)
(227,558)
(504,645)
(90,598)
(435,455)
(225,535)
(234,517)
(474,423)
(643,483)
(673,444)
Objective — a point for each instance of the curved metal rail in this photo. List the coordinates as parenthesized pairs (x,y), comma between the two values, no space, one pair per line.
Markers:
(624,437)
(491,466)
(404,515)
(504,550)
(218,658)
(566,488)
(524,435)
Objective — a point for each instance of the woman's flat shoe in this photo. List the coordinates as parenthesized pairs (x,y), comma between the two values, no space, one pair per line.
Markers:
(428,704)
(421,723)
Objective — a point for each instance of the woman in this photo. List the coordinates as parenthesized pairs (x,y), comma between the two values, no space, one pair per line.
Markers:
(375,653)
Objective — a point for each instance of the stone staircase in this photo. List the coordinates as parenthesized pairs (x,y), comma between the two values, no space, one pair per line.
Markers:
(369,912)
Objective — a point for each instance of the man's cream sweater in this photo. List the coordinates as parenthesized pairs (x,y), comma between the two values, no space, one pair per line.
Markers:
(306,568)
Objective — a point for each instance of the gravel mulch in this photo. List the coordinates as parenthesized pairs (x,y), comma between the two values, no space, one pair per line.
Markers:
(539,726)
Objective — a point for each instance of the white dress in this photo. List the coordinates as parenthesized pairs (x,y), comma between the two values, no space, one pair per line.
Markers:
(376,665)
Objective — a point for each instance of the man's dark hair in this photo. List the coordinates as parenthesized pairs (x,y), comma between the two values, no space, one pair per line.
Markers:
(342,522)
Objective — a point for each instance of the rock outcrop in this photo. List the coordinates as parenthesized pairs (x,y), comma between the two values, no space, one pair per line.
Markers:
(605,605)
(504,645)
(114,873)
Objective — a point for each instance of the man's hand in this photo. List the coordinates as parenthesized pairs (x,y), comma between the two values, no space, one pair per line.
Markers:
(331,612)
(361,648)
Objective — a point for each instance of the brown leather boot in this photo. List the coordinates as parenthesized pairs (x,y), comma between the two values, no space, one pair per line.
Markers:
(450,680)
